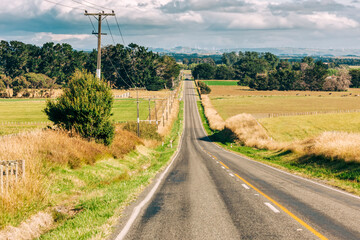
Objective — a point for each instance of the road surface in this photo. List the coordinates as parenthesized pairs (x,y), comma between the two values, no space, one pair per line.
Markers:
(209,193)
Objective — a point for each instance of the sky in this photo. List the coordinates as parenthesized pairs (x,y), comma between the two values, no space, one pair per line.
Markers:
(205,24)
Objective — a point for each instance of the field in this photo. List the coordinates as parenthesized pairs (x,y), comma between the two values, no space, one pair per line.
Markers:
(220,82)
(17,115)
(233,100)
(300,127)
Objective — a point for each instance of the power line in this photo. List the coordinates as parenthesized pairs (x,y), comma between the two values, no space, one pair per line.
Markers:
(92,24)
(143,85)
(117,23)
(79,2)
(112,37)
(97,5)
(63,5)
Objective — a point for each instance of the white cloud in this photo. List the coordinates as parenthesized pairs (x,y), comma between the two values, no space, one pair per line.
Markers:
(45,36)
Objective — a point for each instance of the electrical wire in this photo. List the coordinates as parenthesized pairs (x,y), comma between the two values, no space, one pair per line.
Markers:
(79,2)
(97,5)
(63,5)
(112,37)
(142,83)
(117,23)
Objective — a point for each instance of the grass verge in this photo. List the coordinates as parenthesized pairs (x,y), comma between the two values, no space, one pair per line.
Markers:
(338,173)
(105,188)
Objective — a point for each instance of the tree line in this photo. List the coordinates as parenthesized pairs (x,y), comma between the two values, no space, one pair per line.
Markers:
(265,71)
(30,66)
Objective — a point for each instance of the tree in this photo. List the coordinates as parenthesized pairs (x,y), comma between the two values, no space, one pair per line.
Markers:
(314,77)
(204,89)
(355,78)
(204,71)
(224,72)
(338,82)
(85,107)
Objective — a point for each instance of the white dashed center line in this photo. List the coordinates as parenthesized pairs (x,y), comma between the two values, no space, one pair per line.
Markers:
(245,186)
(272,207)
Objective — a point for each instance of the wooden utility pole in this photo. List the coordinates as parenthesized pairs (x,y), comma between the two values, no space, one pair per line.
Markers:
(99,17)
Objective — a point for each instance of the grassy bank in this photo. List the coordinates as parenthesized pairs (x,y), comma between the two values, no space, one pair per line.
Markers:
(110,185)
(345,175)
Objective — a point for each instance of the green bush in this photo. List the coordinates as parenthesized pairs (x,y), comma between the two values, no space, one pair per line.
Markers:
(85,107)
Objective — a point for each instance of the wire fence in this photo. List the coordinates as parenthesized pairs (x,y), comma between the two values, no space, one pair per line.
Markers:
(273,115)
(11,172)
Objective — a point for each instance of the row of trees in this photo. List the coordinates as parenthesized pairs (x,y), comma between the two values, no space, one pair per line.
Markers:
(265,71)
(124,66)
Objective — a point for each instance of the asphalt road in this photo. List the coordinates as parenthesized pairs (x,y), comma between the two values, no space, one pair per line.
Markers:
(209,193)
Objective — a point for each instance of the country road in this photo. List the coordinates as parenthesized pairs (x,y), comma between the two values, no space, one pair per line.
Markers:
(209,193)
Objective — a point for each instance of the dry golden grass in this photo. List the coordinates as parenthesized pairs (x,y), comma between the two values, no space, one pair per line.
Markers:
(215,120)
(143,93)
(44,149)
(222,91)
(333,145)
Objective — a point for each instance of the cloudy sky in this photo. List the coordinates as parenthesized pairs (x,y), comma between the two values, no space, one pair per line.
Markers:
(194,23)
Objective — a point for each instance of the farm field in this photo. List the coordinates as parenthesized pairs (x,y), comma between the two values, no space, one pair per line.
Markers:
(18,115)
(230,101)
(220,82)
(291,128)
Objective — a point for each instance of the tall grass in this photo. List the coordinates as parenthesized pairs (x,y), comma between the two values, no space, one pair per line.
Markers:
(215,120)
(44,150)
(334,145)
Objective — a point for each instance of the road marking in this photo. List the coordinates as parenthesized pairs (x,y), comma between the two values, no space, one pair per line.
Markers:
(224,165)
(272,207)
(245,186)
(231,174)
(316,233)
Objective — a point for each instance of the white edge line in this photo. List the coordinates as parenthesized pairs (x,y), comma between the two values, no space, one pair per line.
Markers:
(272,207)
(138,208)
(274,168)
(245,186)
(232,175)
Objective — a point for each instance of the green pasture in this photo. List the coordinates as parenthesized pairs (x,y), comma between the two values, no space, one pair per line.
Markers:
(18,115)
(220,82)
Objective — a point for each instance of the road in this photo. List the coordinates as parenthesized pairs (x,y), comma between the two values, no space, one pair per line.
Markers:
(210,193)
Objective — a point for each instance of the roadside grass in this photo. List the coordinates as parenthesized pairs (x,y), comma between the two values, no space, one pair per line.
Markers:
(220,82)
(107,187)
(261,107)
(338,173)
(290,128)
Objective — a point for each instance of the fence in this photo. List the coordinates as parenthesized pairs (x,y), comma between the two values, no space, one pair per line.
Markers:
(125,95)
(273,115)
(26,123)
(10,172)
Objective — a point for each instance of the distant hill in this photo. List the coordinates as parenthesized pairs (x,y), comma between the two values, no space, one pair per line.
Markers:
(282,52)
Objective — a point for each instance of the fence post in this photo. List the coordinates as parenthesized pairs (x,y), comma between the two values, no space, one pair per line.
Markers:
(7,176)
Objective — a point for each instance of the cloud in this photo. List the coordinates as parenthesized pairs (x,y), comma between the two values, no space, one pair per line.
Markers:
(186,22)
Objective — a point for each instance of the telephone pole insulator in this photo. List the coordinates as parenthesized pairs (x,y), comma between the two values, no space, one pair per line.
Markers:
(99,16)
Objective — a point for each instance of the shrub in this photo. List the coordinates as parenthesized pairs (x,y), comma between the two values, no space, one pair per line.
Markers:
(204,89)
(85,107)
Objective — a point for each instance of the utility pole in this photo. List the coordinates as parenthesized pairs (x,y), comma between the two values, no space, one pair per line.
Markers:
(138,117)
(100,16)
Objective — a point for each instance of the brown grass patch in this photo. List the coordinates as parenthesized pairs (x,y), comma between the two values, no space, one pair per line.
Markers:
(42,150)
(215,120)
(333,145)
